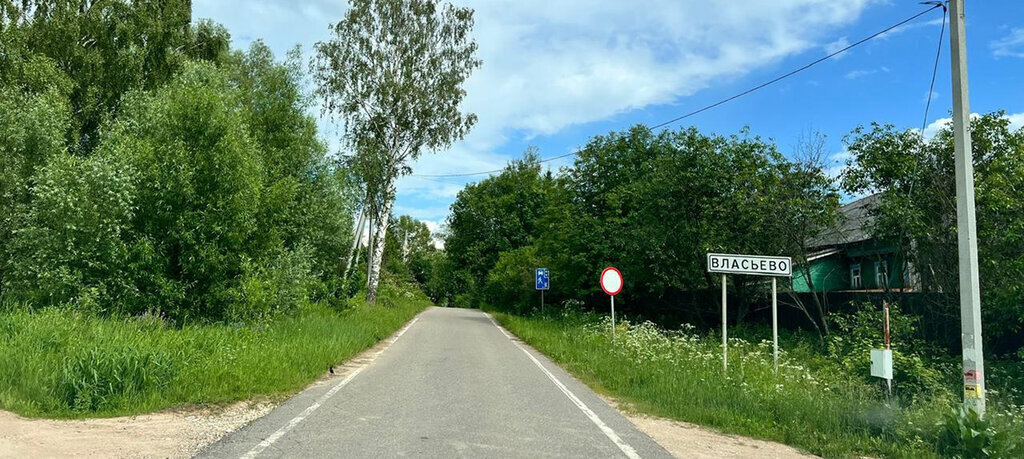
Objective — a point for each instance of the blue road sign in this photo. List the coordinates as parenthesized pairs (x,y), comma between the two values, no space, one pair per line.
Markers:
(543,279)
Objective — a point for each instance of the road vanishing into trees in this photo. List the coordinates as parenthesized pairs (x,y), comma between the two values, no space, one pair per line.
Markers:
(450,384)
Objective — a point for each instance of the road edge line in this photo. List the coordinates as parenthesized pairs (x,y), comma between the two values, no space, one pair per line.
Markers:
(263,445)
(608,432)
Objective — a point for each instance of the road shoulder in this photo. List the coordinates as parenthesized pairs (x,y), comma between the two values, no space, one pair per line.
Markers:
(174,433)
(683,439)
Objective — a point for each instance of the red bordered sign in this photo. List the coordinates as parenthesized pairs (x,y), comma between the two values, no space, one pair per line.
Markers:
(611,281)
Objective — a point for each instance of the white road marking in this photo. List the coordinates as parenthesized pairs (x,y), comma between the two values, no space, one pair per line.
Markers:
(608,432)
(255,451)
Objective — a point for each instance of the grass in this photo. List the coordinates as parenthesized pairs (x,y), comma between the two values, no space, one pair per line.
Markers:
(813,404)
(65,365)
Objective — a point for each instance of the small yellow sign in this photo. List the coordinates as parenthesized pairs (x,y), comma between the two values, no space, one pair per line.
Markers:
(972,391)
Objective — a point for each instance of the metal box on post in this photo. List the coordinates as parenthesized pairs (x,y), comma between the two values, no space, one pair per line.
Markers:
(881,363)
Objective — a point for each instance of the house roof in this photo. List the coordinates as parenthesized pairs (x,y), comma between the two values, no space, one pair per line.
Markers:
(854,224)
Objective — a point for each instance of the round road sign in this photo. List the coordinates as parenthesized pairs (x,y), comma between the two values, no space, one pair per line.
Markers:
(611,281)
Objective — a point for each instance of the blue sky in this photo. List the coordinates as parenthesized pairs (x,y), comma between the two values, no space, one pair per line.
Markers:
(556,73)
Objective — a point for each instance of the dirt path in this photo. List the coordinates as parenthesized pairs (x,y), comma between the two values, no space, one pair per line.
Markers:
(692,441)
(165,434)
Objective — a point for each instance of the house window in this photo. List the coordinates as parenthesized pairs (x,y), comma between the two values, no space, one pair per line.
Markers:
(882,273)
(855,276)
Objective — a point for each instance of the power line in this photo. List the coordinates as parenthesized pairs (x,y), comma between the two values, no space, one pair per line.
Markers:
(489,172)
(931,87)
(935,69)
(748,91)
(794,72)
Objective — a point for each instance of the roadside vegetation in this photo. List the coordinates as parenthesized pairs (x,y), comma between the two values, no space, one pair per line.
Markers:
(173,230)
(66,365)
(821,402)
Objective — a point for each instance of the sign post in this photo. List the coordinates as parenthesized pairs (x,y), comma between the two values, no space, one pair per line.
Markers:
(611,283)
(543,283)
(881,359)
(725,326)
(775,324)
(753,265)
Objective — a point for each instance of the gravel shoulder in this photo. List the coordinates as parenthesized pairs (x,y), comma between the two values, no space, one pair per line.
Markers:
(179,433)
(683,439)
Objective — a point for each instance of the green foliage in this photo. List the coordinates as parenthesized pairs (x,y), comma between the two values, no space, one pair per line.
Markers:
(59,364)
(306,200)
(199,190)
(208,198)
(916,374)
(32,128)
(445,281)
(105,49)
(499,214)
(511,282)
(269,289)
(71,249)
(209,41)
(650,204)
(964,434)
(918,213)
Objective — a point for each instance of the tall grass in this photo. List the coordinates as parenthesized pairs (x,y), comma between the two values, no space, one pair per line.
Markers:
(60,364)
(812,404)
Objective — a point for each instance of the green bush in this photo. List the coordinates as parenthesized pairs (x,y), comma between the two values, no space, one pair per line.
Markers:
(32,130)
(277,287)
(915,374)
(199,190)
(72,246)
(964,434)
(510,283)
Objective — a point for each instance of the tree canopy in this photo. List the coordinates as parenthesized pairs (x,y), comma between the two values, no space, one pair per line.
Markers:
(393,73)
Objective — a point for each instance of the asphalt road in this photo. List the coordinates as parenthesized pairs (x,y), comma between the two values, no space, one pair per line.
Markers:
(452,384)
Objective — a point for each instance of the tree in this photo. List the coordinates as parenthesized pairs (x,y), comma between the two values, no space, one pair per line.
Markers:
(393,72)
(654,205)
(918,212)
(499,214)
(70,248)
(32,130)
(307,199)
(806,203)
(106,48)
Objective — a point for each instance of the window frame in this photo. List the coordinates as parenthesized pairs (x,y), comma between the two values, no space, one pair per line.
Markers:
(856,281)
(882,273)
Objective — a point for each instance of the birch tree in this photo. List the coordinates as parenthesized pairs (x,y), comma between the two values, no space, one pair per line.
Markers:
(393,72)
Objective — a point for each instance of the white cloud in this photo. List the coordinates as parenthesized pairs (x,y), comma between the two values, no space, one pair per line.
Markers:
(835,46)
(548,65)
(860,73)
(836,163)
(931,94)
(910,26)
(1016,122)
(1011,45)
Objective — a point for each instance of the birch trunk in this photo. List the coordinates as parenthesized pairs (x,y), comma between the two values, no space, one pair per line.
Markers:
(383,219)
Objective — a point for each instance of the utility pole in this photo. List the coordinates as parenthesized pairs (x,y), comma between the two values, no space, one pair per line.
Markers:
(353,252)
(405,246)
(967,234)
(369,246)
